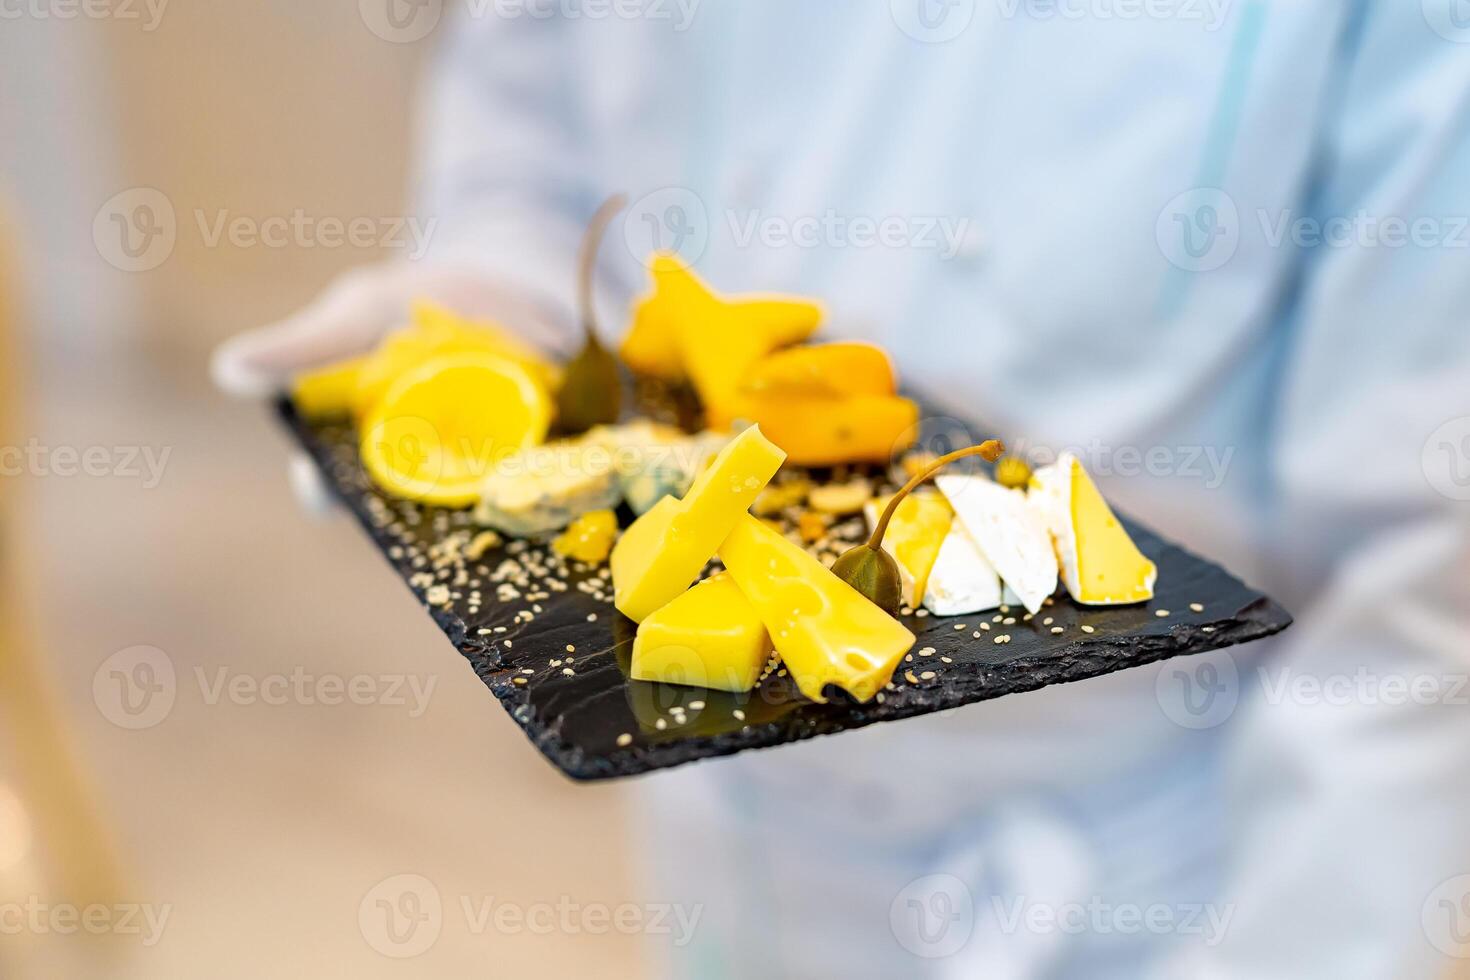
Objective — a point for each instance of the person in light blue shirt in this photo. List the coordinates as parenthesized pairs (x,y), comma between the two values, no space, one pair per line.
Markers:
(1220,249)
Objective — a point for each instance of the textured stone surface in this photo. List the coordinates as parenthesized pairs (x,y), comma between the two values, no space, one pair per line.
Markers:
(577,721)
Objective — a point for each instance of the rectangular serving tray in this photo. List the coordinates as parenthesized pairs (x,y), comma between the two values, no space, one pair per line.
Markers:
(586,715)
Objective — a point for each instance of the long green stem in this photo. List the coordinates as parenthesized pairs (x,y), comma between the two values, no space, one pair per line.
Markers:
(990,450)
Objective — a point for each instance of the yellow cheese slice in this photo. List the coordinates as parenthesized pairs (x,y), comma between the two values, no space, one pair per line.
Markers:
(823,628)
(1101,566)
(664,551)
(708,637)
(914,537)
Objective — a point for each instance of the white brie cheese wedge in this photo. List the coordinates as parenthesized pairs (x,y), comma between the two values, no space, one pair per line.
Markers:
(1010,533)
(962,580)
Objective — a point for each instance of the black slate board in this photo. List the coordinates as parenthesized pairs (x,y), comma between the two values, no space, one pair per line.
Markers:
(577,720)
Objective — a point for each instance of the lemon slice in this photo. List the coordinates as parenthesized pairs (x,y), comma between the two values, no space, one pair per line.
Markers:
(440,428)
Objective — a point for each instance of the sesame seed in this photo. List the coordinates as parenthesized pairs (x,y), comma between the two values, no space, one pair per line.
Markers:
(1047,621)
(959,626)
(975,635)
(625,739)
(568,671)
(527,670)
(1057,629)
(592,617)
(1009,621)
(908,675)
(928,675)
(571,649)
(660,724)
(947,660)
(738,714)
(1000,639)
(1196,607)
(1161,613)
(518,680)
(1088,629)
(985,626)
(696,705)
(927,651)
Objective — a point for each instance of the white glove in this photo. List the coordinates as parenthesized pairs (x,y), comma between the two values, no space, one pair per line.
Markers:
(350,316)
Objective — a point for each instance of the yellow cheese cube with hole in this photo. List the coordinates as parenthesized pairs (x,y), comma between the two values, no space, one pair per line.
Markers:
(708,637)
(665,550)
(823,628)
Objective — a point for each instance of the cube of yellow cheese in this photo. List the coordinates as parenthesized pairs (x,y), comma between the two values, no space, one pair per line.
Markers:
(708,637)
(664,551)
(823,628)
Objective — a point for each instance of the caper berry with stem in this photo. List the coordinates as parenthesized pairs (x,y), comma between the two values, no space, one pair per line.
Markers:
(870,569)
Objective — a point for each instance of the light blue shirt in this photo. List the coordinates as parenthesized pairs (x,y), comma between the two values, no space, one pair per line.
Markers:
(1220,248)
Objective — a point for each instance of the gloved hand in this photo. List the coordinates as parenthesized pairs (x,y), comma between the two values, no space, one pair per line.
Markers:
(350,316)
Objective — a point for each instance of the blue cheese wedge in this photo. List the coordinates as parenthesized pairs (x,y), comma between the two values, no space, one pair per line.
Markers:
(962,580)
(544,488)
(1010,533)
(1100,564)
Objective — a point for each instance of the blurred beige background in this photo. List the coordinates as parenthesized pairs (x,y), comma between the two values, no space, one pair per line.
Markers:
(261,829)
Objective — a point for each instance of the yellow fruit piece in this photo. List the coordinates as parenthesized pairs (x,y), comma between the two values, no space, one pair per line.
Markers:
(439,429)
(835,370)
(685,329)
(589,538)
(328,392)
(665,550)
(823,628)
(917,530)
(435,332)
(827,431)
(1101,566)
(708,637)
